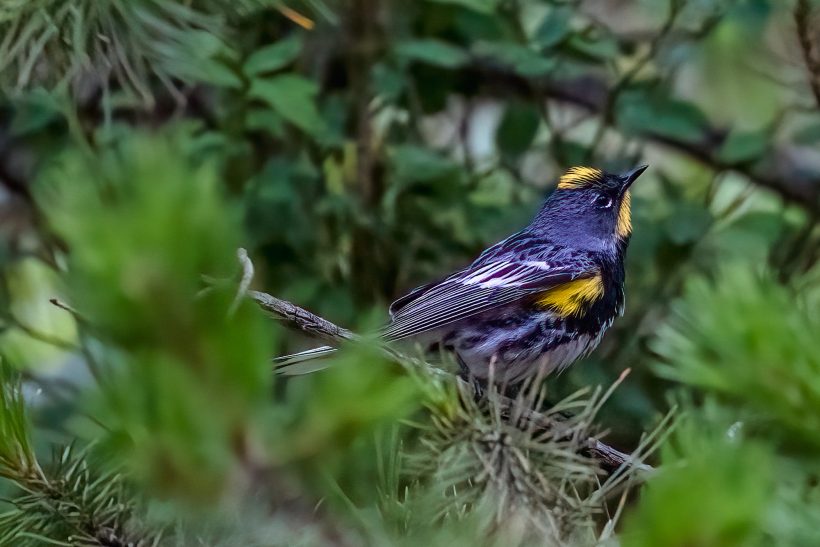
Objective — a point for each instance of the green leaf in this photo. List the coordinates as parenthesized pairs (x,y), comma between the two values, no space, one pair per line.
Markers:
(214,72)
(274,56)
(200,44)
(728,513)
(687,223)
(809,134)
(292,97)
(741,147)
(643,112)
(518,128)
(416,164)
(599,49)
(482,6)
(554,28)
(265,119)
(434,52)
(210,53)
(521,59)
(388,82)
(569,152)
(34,112)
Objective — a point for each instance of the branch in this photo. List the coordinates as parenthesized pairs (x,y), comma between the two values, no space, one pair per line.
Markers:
(609,457)
(802,18)
(301,318)
(777,170)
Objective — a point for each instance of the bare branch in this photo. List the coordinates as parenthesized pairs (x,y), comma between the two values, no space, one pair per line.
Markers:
(301,318)
(245,282)
(775,170)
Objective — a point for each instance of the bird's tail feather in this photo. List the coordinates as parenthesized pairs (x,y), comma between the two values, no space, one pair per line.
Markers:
(303,362)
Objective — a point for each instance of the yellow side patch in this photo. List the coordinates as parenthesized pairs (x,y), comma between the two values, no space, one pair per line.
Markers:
(579,177)
(571,298)
(624,226)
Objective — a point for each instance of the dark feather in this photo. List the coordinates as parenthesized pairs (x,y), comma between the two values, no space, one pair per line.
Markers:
(494,280)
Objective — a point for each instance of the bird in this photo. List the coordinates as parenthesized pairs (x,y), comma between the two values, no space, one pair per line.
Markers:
(533,303)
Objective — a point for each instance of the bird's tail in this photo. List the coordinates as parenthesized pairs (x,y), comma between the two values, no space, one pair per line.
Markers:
(303,362)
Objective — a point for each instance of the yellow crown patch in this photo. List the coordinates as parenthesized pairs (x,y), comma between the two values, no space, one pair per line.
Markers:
(580,177)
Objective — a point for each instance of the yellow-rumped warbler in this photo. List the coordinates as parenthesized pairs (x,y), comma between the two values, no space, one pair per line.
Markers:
(537,301)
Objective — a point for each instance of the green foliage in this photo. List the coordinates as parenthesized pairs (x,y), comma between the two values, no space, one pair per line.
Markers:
(63,44)
(356,149)
(747,342)
(751,341)
(64,504)
(117,211)
(16,450)
(551,492)
(72,505)
(292,97)
(713,490)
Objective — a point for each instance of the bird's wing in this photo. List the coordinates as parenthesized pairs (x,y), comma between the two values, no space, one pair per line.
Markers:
(476,289)
(398,305)
(494,252)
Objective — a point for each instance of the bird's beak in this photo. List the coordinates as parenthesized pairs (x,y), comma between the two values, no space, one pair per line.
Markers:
(631,176)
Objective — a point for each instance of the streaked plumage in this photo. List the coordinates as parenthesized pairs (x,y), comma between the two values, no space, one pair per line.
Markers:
(542,297)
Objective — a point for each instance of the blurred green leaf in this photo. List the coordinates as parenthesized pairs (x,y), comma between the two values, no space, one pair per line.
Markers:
(293,98)
(415,164)
(434,52)
(358,393)
(740,147)
(267,120)
(521,59)
(570,152)
(211,53)
(734,336)
(554,28)
(687,223)
(728,513)
(645,112)
(388,81)
(483,6)
(808,135)
(34,111)
(145,218)
(216,73)
(598,48)
(518,128)
(274,56)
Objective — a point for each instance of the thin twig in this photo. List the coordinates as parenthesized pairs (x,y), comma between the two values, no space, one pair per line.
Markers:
(777,169)
(38,335)
(245,282)
(301,318)
(63,306)
(675,7)
(802,18)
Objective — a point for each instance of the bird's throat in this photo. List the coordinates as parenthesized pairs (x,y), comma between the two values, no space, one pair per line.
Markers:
(623,228)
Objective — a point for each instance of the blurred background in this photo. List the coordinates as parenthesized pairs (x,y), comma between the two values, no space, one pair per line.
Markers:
(356,149)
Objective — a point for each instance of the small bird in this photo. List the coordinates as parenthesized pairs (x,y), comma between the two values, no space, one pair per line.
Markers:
(535,302)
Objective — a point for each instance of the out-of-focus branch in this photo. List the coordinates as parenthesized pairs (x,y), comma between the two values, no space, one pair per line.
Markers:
(802,18)
(608,108)
(776,170)
(609,457)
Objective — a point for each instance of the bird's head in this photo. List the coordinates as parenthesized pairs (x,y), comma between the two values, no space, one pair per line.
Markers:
(590,209)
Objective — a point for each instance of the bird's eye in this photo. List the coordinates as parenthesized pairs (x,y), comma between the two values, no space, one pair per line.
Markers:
(604,202)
